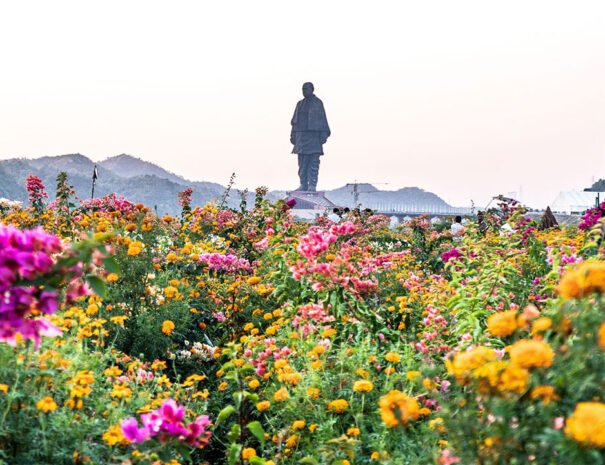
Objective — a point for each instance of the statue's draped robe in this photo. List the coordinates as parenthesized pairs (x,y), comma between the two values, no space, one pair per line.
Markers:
(309,127)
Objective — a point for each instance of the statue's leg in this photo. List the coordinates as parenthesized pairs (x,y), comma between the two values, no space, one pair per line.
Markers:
(302,169)
(313,172)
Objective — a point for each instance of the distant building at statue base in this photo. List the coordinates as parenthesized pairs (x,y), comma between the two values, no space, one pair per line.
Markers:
(307,200)
(310,205)
(576,202)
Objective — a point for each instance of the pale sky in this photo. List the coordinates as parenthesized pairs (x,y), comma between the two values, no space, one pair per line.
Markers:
(467,99)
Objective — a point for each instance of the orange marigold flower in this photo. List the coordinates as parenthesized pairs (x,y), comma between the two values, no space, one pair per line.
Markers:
(587,424)
(502,324)
(280,395)
(338,405)
(363,385)
(602,336)
(313,393)
(248,453)
(112,278)
(171,292)
(167,327)
(114,436)
(529,353)
(412,375)
(253,280)
(353,432)
(469,360)
(298,424)
(397,408)
(263,405)
(513,379)
(254,384)
(392,357)
(47,404)
(547,393)
(541,325)
(589,277)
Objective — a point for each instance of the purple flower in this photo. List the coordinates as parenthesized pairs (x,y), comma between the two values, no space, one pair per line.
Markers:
(132,432)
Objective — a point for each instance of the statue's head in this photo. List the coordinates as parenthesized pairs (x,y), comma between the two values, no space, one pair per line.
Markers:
(308,89)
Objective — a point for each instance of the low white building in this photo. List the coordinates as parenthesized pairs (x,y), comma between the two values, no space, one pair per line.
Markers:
(575,202)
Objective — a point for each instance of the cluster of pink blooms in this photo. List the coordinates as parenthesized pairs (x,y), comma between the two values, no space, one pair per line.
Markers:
(184,197)
(166,423)
(591,216)
(432,338)
(35,189)
(109,203)
(309,314)
(25,256)
(453,253)
(319,240)
(224,262)
(270,351)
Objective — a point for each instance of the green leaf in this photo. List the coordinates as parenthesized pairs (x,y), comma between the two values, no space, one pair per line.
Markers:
(111,265)
(235,432)
(256,460)
(258,431)
(234,452)
(308,460)
(228,410)
(98,285)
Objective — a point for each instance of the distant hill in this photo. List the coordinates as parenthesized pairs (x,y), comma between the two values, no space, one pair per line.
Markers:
(145,182)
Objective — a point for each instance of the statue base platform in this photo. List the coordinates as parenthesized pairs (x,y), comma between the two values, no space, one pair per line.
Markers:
(310,200)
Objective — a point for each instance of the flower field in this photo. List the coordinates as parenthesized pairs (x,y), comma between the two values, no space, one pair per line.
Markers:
(246,337)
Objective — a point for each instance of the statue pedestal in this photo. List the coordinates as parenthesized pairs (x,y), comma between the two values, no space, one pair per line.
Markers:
(310,200)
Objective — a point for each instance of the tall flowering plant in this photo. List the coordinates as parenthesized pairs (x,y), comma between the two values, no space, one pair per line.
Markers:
(36,192)
(184,199)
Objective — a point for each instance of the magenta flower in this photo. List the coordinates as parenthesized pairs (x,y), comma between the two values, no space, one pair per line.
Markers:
(132,432)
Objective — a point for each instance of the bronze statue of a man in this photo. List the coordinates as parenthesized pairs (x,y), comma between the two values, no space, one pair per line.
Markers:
(310,131)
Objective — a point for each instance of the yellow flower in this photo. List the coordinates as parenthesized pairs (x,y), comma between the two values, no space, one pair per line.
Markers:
(312,427)
(167,327)
(338,405)
(4,388)
(114,435)
(541,325)
(529,353)
(254,384)
(469,360)
(313,393)
(248,453)
(263,405)
(121,391)
(170,292)
(602,336)
(428,383)
(547,393)
(292,441)
(389,370)
(513,378)
(589,277)
(253,280)
(112,278)
(298,424)
(362,385)
(47,404)
(587,424)
(222,386)
(396,409)
(353,432)
(503,323)
(412,375)
(392,357)
(280,395)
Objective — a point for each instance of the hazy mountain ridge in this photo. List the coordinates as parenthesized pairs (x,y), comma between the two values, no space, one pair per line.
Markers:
(145,182)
